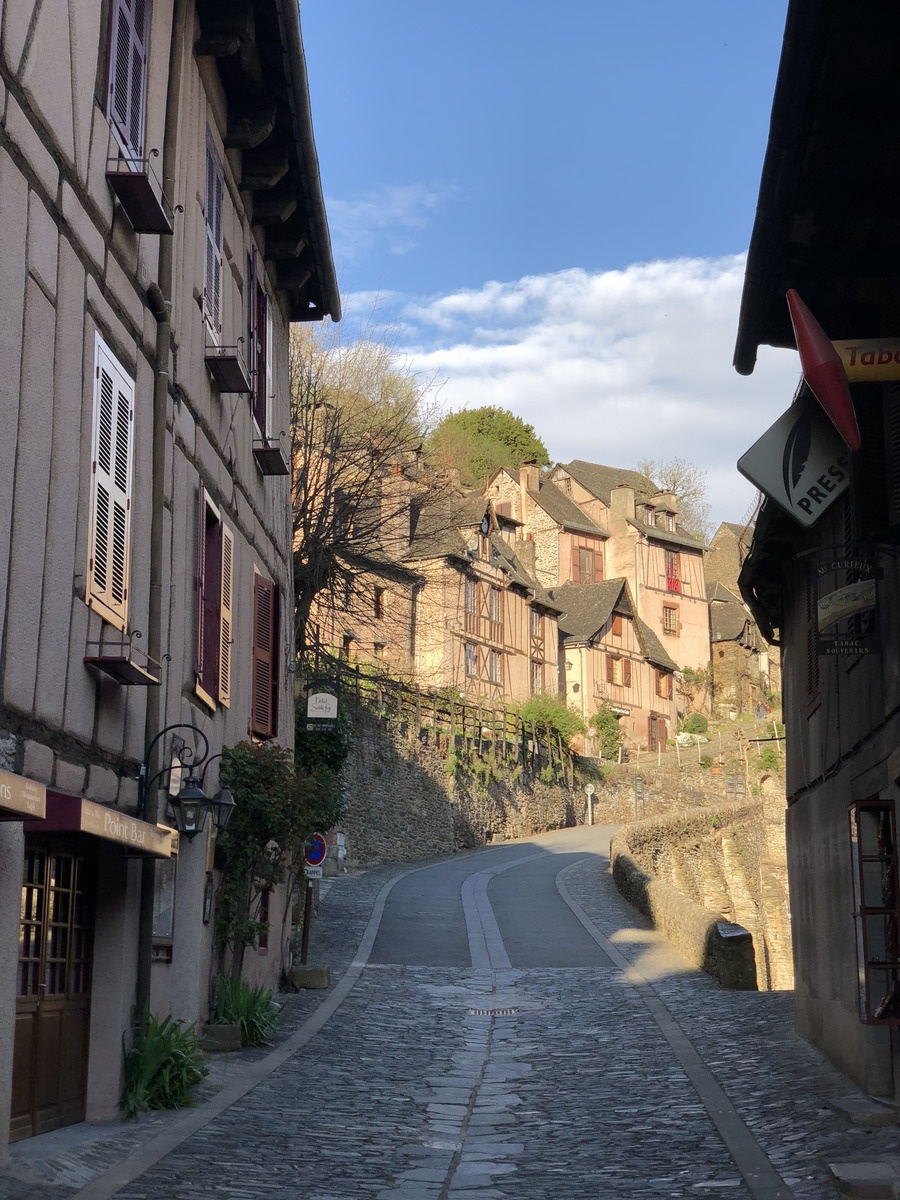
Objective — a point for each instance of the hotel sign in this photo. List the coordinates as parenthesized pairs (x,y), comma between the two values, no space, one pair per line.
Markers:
(21,799)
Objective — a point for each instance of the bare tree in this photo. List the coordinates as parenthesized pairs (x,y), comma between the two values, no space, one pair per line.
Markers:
(688,483)
(359,414)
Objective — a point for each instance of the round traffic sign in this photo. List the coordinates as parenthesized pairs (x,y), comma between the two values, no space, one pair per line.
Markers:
(589,788)
(314,850)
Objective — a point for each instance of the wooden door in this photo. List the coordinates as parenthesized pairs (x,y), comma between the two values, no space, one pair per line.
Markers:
(52,989)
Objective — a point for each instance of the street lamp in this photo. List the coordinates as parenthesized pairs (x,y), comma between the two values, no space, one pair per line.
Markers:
(191,806)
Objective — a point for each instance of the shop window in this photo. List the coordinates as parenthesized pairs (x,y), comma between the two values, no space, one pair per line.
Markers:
(112,455)
(873,836)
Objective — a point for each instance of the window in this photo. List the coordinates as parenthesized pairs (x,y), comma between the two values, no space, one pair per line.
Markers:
(495,604)
(471,591)
(215,572)
(484,548)
(567,485)
(264,679)
(587,564)
(616,625)
(126,94)
(873,836)
(112,453)
(378,603)
(259,338)
(618,670)
(495,666)
(537,623)
(378,649)
(670,522)
(212,211)
(471,660)
(673,571)
(649,516)
(670,619)
(664,685)
(537,677)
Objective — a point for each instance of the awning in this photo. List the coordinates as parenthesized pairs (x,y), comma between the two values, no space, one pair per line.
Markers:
(21,799)
(73,814)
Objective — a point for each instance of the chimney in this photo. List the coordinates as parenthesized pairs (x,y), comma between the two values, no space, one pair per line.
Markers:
(529,481)
(525,552)
(395,515)
(621,504)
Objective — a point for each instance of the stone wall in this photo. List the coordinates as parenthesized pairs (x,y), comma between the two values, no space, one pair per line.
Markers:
(689,870)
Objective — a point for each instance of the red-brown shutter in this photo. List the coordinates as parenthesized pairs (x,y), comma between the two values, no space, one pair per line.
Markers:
(576,565)
(626,672)
(127,87)
(262,714)
(598,566)
(610,669)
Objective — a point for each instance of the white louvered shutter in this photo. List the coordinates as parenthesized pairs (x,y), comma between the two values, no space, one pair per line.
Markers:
(127,89)
(112,453)
(215,196)
(225,626)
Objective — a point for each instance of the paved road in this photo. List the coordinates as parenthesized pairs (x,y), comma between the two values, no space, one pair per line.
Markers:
(510,1030)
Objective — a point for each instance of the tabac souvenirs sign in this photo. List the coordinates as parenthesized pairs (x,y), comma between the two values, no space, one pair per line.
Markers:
(801,462)
(846,597)
(21,799)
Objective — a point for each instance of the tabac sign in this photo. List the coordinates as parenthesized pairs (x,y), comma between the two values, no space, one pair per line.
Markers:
(870,360)
(21,799)
(801,462)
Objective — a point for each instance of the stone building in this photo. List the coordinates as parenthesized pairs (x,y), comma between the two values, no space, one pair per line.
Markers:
(164,223)
(826,582)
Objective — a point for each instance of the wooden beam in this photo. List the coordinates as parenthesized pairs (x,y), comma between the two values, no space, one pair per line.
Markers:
(274,206)
(249,128)
(265,166)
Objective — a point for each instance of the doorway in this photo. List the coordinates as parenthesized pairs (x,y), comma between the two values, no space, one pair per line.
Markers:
(53,987)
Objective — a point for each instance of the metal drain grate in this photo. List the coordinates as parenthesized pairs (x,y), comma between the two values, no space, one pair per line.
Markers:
(492,1012)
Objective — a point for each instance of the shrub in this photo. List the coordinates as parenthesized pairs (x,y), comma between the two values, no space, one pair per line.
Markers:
(162,1064)
(550,716)
(696,723)
(254,1009)
(768,760)
(608,734)
(706,762)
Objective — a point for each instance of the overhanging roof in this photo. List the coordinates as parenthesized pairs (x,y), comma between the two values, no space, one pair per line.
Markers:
(827,221)
(259,53)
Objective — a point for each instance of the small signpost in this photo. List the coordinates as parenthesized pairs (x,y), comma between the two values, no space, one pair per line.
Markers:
(638,793)
(589,789)
(314,855)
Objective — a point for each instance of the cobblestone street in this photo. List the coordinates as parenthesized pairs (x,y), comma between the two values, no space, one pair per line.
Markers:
(492,1047)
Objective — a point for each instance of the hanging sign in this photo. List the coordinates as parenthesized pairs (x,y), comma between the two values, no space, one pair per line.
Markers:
(801,462)
(823,370)
(21,799)
(870,360)
(846,590)
(321,711)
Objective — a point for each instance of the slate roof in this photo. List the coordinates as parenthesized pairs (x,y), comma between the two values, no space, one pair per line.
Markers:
(562,509)
(684,540)
(718,591)
(588,606)
(727,622)
(600,480)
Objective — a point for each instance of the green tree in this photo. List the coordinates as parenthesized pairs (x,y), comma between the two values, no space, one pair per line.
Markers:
(607,732)
(478,441)
(551,716)
(277,809)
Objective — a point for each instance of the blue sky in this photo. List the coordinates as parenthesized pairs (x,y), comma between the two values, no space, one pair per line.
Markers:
(551,203)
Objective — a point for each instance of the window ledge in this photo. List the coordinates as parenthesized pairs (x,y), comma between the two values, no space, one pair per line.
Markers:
(140,194)
(226,365)
(123,661)
(270,457)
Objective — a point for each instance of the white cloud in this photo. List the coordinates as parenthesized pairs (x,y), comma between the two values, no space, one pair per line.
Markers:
(612,366)
(383,217)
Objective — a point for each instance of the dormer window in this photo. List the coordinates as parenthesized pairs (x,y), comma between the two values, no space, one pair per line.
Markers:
(648,515)
(670,522)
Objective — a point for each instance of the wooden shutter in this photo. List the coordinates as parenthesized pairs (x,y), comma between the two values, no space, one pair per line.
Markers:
(598,566)
(201,575)
(262,715)
(127,88)
(109,535)
(626,672)
(215,196)
(610,669)
(225,618)
(576,564)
